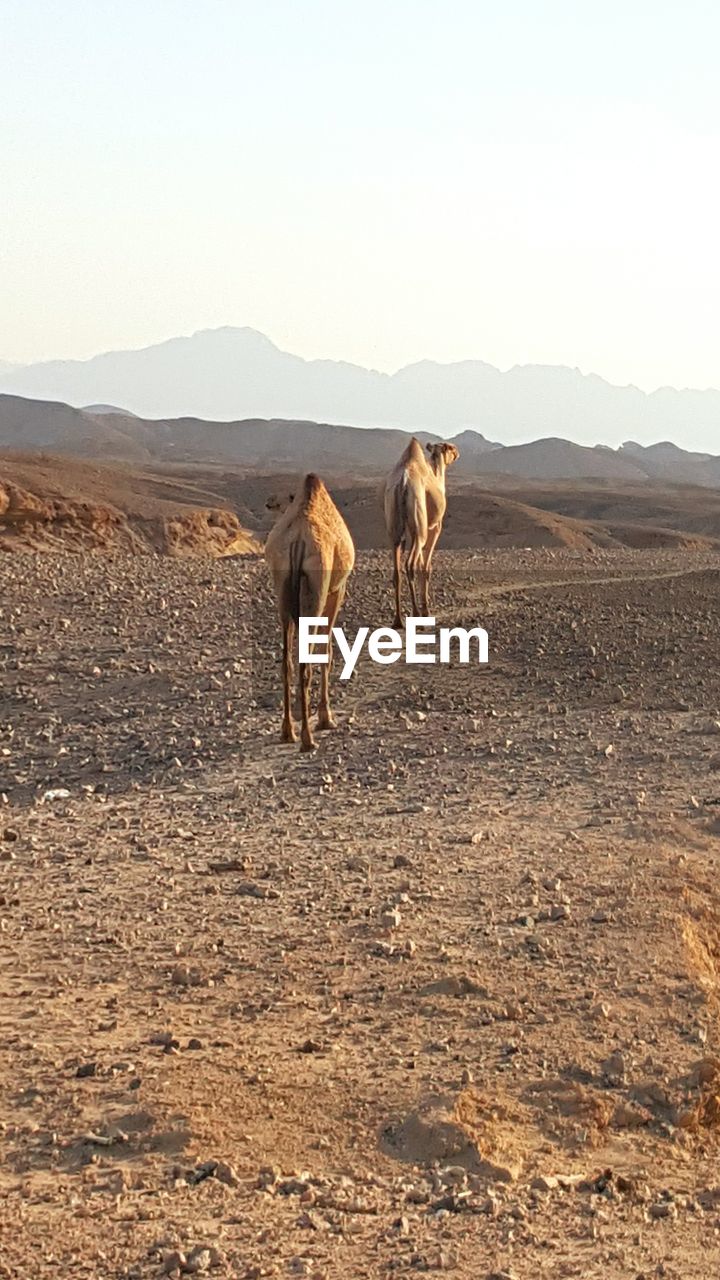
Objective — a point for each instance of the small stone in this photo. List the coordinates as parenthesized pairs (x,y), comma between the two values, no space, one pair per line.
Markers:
(384,949)
(707,1070)
(310,1046)
(194,1043)
(163,1038)
(560,911)
(185,975)
(175,1260)
(570,1181)
(663,1209)
(491,1206)
(248,889)
(631,1187)
(199,1260)
(454,1175)
(545,1183)
(86,1069)
(226,1174)
(630,1116)
(267,1177)
(614,1067)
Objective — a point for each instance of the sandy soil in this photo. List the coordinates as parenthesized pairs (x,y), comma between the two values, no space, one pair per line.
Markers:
(441,997)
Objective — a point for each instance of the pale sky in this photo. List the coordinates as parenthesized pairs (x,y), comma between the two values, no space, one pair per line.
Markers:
(525,181)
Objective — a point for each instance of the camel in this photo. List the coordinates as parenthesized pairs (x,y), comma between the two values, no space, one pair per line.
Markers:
(310,554)
(279,502)
(414,502)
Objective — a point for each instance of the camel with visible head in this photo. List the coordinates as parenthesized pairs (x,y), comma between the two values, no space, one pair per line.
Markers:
(414,502)
(279,502)
(310,554)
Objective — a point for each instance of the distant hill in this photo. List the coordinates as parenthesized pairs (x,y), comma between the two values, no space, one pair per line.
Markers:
(38,424)
(231,374)
(472,444)
(640,514)
(558,460)
(292,446)
(667,461)
(102,409)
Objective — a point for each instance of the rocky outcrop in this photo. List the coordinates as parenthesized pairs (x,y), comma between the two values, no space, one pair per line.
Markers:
(31,522)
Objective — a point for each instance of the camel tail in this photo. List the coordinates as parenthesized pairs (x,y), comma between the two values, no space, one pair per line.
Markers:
(397,513)
(293,582)
(415,525)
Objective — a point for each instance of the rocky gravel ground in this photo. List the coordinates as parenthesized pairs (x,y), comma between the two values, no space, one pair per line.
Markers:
(441,996)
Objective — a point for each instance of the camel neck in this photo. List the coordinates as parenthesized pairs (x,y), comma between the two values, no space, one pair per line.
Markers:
(438,468)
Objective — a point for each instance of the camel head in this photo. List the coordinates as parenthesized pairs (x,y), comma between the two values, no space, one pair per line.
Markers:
(279,502)
(441,456)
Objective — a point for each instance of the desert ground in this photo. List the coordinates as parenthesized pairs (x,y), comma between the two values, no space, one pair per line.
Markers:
(442,996)
(50,502)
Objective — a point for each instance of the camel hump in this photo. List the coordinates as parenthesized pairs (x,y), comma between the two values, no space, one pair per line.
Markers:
(313,493)
(311,487)
(413,452)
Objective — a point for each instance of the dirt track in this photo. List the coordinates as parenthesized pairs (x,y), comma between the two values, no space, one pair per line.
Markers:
(469,945)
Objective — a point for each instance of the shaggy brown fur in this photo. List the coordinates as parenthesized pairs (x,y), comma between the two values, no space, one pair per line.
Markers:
(310,555)
(414,503)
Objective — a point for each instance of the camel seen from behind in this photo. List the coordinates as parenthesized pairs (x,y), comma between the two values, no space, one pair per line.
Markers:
(311,555)
(414,503)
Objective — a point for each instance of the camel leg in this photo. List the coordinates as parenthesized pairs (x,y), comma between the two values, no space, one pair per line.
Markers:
(287,733)
(297,708)
(433,536)
(307,742)
(397,556)
(411,564)
(332,608)
(312,591)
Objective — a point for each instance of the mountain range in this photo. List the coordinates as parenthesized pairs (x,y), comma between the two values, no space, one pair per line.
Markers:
(291,445)
(230,374)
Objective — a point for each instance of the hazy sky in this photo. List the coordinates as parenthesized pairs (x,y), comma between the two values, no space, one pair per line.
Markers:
(377,181)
